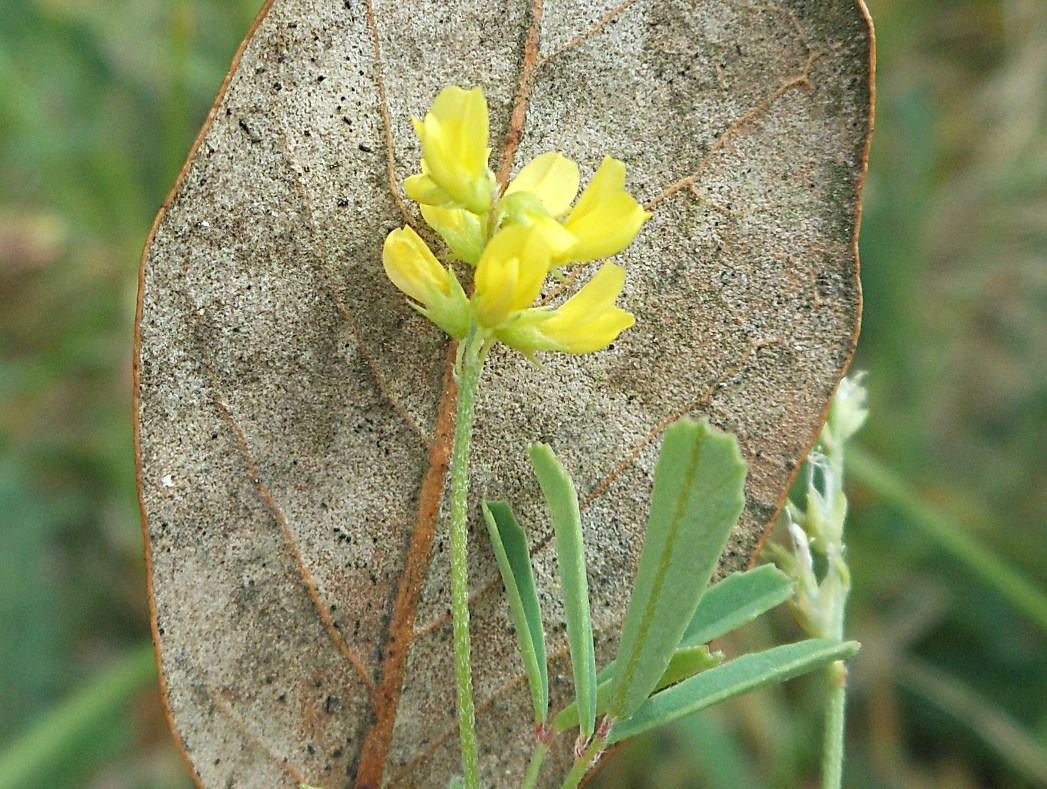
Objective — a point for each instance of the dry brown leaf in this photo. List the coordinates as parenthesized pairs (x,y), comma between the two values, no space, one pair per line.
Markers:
(294,414)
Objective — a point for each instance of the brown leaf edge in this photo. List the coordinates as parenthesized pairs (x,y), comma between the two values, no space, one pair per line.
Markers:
(513,137)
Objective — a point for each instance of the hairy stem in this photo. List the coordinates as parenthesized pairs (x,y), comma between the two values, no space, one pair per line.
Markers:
(468,375)
(534,767)
(832,755)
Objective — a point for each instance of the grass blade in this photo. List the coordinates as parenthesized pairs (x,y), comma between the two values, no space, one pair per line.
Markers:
(29,759)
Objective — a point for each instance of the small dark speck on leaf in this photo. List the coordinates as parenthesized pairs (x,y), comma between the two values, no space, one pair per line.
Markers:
(254,137)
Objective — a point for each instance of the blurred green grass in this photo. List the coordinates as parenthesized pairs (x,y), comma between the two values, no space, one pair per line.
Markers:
(99,104)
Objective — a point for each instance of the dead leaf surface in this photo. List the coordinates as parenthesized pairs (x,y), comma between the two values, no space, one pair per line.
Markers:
(294,413)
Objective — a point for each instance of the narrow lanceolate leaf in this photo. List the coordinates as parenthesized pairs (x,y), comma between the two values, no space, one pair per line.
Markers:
(698,496)
(685,662)
(294,415)
(570,556)
(739,676)
(735,600)
(514,563)
(729,604)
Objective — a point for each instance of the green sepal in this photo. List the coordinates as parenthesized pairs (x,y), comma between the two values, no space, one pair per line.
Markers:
(520,208)
(450,312)
(463,233)
(524,331)
(698,496)
(562,499)
(731,679)
(514,562)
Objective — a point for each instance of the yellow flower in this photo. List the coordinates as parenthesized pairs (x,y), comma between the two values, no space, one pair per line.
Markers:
(414,269)
(606,218)
(454,153)
(603,223)
(509,276)
(539,195)
(589,321)
(534,228)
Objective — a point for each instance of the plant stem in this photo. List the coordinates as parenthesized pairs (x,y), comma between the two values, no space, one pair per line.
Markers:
(535,766)
(835,717)
(585,761)
(467,375)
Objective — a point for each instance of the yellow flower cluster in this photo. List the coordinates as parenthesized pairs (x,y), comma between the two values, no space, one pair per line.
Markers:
(515,240)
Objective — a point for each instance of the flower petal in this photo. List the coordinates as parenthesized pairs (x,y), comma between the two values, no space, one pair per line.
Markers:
(606,218)
(605,230)
(590,321)
(454,138)
(509,275)
(552,178)
(412,267)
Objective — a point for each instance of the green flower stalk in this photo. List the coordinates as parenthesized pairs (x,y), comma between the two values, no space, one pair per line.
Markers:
(819,605)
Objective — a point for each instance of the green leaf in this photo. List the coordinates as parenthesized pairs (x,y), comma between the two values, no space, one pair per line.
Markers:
(735,600)
(698,496)
(570,554)
(739,676)
(514,562)
(684,663)
(729,604)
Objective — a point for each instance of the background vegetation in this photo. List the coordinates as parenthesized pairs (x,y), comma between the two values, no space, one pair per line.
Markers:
(99,102)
